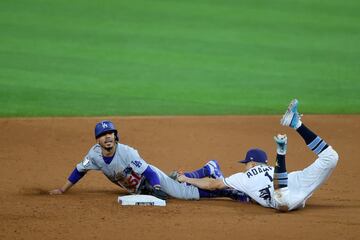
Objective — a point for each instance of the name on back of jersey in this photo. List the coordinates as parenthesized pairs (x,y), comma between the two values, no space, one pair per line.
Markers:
(257,170)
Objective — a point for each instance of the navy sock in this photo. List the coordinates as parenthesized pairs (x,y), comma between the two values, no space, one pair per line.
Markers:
(205,193)
(229,193)
(213,193)
(306,134)
(280,173)
(199,173)
(313,141)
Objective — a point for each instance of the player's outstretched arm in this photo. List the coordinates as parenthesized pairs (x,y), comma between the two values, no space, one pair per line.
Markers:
(62,190)
(203,183)
(74,177)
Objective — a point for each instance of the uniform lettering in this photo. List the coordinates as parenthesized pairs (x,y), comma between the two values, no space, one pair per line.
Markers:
(265,193)
(256,170)
(136,163)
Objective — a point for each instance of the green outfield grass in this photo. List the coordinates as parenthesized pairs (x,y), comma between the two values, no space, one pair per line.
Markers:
(82,58)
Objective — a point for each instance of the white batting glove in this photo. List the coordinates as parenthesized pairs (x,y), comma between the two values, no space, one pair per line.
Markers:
(281,144)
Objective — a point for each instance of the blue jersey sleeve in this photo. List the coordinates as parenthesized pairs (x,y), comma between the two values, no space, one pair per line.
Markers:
(75,176)
(151,176)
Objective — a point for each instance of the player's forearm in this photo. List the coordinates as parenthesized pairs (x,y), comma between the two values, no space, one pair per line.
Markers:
(66,186)
(74,177)
(203,183)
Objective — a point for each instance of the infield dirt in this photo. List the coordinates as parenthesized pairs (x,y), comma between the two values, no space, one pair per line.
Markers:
(38,154)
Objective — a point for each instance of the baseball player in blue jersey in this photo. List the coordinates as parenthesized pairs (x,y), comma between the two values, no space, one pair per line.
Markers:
(123,165)
(272,186)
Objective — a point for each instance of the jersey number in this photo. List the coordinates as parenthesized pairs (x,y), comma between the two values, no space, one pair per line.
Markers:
(133,180)
(268,175)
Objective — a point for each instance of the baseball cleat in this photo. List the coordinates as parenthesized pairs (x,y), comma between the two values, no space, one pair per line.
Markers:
(214,169)
(291,118)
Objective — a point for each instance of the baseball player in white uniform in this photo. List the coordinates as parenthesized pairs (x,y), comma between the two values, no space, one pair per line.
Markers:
(272,186)
(122,165)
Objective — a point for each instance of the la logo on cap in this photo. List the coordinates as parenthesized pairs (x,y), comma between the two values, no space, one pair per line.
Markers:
(104,125)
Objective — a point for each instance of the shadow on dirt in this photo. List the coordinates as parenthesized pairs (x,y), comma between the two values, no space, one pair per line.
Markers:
(37,191)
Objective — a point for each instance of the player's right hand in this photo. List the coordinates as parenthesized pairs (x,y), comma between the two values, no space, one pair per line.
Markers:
(181,178)
(57,191)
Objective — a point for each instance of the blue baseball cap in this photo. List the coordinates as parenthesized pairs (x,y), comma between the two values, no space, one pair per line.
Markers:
(255,155)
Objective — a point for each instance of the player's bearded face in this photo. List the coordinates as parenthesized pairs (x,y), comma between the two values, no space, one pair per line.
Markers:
(107,141)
